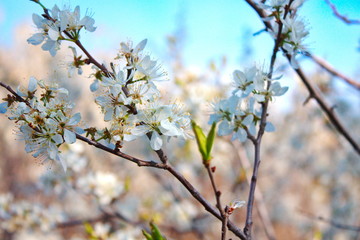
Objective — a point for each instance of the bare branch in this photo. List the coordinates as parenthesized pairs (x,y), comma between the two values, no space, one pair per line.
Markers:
(224,223)
(260,205)
(327,109)
(74,223)
(340,16)
(139,162)
(332,222)
(18,97)
(218,202)
(326,66)
(232,227)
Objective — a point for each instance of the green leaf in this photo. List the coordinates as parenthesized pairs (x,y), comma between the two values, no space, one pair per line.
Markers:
(155,232)
(147,235)
(210,141)
(200,139)
(89,229)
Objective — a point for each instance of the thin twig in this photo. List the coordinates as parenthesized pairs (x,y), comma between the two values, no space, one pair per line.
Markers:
(218,202)
(340,16)
(139,162)
(74,223)
(332,222)
(232,227)
(19,98)
(224,223)
(259,200)
(216,192)
(326,109)
(326,66)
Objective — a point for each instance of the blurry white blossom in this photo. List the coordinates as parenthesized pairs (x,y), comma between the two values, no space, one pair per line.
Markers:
(105,186)
(16,216)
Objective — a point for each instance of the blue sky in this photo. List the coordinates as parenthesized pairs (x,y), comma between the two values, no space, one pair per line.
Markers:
(213,28)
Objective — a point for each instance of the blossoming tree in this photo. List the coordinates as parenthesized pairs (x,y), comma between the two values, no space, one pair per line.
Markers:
(126,91)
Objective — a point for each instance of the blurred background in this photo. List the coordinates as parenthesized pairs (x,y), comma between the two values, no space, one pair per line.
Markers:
(308,170)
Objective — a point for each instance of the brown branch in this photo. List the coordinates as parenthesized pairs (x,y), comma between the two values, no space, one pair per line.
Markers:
(340,16)
(332,222)
(216,192)
(224,223)
(18,97)
(259,199)
(326,109)
(139,162)
(326,66)
(232,227)
(218,202)
(260,12)
(74,223)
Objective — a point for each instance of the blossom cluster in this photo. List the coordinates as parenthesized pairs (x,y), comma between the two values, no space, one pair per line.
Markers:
(127,96)
(130,101)
(239,114)
(293,29)
(59,25)
(44,119)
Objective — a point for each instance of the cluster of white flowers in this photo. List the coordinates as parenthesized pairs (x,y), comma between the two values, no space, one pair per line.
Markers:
(22,215)
(44,119)
(130,102)
(105,186)
(238,115)
(59,25)
(293,29)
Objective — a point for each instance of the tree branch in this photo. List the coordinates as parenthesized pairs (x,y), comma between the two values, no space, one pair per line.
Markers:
(218,202)
(326,66)
(139,162)
(259,200)
(340,16)
(332,222)
(326,109)
(232,227)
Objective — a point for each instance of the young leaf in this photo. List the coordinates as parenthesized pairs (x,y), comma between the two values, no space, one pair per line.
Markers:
(155,232)
(210,141)
(200,139)
(147,235)
(90,231)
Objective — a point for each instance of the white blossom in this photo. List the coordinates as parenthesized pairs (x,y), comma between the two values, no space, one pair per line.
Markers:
(51,30)
(105,186)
